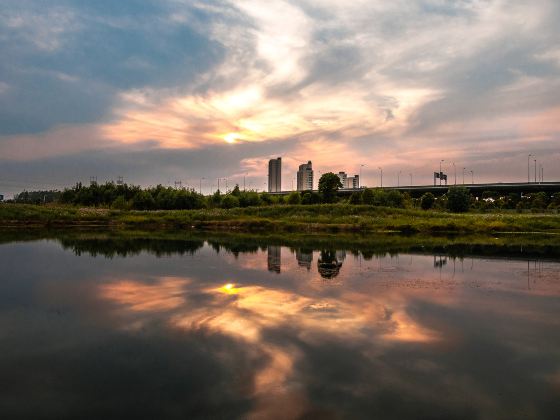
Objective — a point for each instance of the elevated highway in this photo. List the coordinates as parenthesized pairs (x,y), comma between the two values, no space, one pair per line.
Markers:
(475,189)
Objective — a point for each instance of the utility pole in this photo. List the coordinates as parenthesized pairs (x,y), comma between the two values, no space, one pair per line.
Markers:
(455,171)
(535,170)
(360,180)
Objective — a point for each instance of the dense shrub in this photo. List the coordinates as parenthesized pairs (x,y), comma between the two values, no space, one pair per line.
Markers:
(294,198)
(427,201)
(458,199)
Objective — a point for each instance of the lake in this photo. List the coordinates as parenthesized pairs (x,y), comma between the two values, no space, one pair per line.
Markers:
(251,329)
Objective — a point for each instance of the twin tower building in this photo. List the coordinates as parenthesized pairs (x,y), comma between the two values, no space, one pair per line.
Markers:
(304,177)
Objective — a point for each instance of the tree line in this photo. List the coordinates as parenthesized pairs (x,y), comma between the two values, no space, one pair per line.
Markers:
(131,197)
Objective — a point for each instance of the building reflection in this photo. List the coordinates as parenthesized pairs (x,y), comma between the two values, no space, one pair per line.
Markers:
(329,263)
(304,257)
(274,258)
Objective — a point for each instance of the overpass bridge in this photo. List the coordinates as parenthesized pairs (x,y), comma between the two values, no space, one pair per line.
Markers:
(475,189)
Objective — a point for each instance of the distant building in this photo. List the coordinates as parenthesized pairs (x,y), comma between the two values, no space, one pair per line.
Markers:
(274,256)
(1,197)
(305,177)
(342,176)
(349,182)
(275,175)
(304,258)
(352,182)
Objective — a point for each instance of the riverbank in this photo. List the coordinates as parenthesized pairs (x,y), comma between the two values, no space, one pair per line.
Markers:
(286,218)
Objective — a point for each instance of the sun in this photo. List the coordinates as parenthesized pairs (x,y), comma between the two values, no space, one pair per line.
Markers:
(231,138)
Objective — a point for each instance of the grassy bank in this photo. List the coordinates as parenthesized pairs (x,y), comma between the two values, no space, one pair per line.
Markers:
(285,218)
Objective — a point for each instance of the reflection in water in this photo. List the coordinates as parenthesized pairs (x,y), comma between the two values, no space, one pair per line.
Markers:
(329,263)
(304,257)
(209,335)
(274,258)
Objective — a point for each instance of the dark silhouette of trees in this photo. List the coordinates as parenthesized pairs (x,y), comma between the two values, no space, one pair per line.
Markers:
(329,183)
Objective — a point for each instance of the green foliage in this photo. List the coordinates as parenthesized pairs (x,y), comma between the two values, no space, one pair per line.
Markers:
(248,199)
(120,204)
(37,197)
(143,200)
(427,201)
(394,199)
(230,201)
(310,198)
(329,183)
(236,191)
(355,198)
(215,200)
(367,196)
(266,199)
(458,199)
(294,198)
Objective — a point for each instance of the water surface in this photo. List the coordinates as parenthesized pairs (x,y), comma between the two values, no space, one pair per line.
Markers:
(198,329)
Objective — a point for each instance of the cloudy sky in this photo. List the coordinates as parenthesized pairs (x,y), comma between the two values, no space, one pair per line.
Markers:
(158,91)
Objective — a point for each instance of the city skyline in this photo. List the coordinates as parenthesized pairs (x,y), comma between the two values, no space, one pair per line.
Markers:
(164,91)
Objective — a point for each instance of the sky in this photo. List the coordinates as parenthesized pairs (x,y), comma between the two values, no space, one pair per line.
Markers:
(158,91)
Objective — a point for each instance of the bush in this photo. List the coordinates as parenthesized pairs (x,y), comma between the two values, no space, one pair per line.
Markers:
(367,196)
(310,198)
(427,201)
(294,198)
(230,201)
(458,199)
(120,204)
(394,199)
(249,199)
(355,198)
(143,200)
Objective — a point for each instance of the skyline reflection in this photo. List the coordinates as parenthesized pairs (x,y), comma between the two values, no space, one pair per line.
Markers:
(219,334)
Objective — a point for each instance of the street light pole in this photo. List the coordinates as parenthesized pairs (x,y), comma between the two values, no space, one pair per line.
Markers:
(472,177)
(360,180)
(381,169)
(528,168)
(399,179)
(464,176)
(410,180)
(440,162)
(200,186)
(455,171)
(535,170)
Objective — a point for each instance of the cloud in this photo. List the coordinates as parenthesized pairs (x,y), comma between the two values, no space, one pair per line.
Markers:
(399,84)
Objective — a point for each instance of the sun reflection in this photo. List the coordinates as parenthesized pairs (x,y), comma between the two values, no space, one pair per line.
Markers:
(229,289)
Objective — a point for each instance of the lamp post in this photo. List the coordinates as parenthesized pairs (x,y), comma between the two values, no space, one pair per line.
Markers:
(381,169)
(200,186)
(410,179)
(535,170)
(455,172)
(440,162)
(472,177)
(360,180)
(399,179)
(528,168)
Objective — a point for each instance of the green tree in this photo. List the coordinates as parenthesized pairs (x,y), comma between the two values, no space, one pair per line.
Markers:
(294,198)
(329,184)
(143,200)
(367,196)
(394,199)
(458,199)
(355,198)
(230,201)
(427,201)
(310,198)
(236,191)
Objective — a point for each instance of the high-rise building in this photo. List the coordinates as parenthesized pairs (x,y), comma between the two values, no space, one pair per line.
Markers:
(352,182)
(275,175)
(342,176)
(305,177)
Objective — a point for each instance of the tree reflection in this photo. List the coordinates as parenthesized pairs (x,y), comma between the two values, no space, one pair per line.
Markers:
(328,264)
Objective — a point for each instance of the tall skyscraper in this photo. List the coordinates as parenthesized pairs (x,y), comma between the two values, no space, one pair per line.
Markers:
(305,177)
(275,175)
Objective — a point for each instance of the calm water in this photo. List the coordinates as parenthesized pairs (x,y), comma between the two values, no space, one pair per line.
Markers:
(192,330)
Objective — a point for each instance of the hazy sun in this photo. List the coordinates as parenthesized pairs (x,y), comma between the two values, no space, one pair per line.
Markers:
(231,138)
